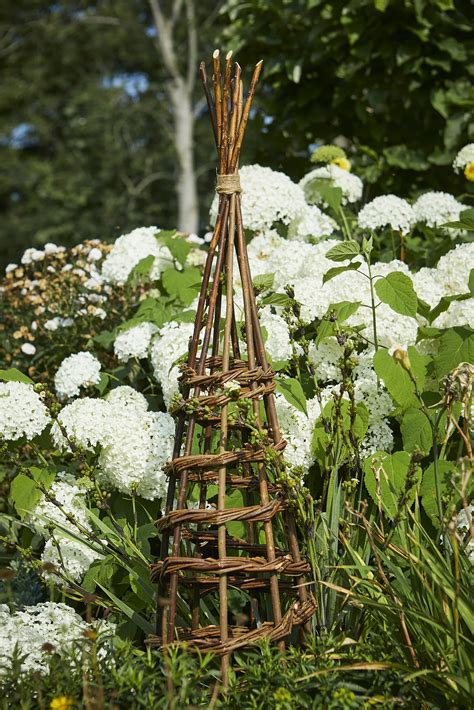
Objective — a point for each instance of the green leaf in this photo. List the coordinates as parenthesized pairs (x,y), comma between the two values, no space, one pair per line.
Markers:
(444,304)
(397,380)
(456,345)
(343,251)
(263,282)
(292,390)
(381,5)
(396,290)
(466,221)
(331,195)
(416,431)
(184,285)
(103,383)
(336,313)
(14,375)
(24,491)
(140,273)
(385,476)
(471,282)
(322,440)
(276,299)
(177,245)
(400,156)
(446,471)
(137,618)
(336,270)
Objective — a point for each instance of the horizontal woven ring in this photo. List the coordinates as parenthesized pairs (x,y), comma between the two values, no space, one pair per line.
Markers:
(253,513)
(246,482)
(225,459)
(234,565)
(208,583)
(219,400)
(208,638)
(208,538)
(240,374)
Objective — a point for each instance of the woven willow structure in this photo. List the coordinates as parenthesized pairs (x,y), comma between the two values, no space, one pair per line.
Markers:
(227,441)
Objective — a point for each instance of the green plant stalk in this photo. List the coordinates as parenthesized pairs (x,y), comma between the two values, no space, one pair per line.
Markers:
(372,304)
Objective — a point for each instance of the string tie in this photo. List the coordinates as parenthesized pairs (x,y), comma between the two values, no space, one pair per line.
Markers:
(228,184)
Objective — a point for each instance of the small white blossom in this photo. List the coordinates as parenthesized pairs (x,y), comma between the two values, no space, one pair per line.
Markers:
(387,211)
(28,349)
(31,254)
(311,223)
(58,322)
(76,371)
(10,267)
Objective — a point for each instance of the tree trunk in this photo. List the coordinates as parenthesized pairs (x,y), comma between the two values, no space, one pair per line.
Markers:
(186,184)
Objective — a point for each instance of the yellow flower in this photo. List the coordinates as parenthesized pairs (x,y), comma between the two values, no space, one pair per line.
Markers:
(342,163)
(469,172)
(62,702)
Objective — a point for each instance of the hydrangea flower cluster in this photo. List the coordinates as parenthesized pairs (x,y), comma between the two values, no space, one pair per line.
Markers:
(131,248)
(437,208)
(312,224)
(297,430)
(134,342)
(387,211)
(268,197)
(351,185)
(134,443)
(28,630)
(68,556)
(76,371)
(170,344)
(22,412)
(70,500)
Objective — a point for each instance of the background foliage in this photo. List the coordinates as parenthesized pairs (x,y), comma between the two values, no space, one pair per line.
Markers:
(86,145)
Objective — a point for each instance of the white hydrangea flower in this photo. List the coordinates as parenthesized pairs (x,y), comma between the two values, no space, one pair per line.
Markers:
(71,557)
(57,322)
(71,500)
(22,412)
(387,211)
(464,157)
(32,254)
(351,185)
(268,197)
(454,267)
(131,248)
(459,313)
(127,398)
(31,628)
(311,223)
(297,430)
(133,456)
(79,370)
(134,442)
(28,349)
(278,343)
(428,285)
(10,267)
(84,422)
(437,208)
(134,342)
(170,344)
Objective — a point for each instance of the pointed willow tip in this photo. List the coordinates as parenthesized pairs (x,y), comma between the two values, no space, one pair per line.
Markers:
(215,54)
(228,55)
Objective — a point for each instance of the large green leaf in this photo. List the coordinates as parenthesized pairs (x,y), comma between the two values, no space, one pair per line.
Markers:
(446,472)
(397,380)
(177,245)
(14,375)
(292,391)
(396,290)
(416,431)
(385,476)
(331,273)
(140,273)
(24,491)
(343,251)
(184,285)
(456,345)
